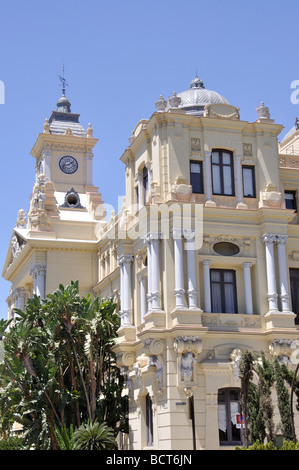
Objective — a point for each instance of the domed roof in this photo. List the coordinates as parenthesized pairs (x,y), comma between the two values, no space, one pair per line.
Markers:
(63,119)
(197,97)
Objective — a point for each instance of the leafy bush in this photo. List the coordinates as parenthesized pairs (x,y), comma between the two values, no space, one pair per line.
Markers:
(11,443)
(287,445)
(94,436)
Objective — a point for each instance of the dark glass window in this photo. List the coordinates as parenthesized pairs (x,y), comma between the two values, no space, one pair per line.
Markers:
(228,409)
(248,181)
(196,177)
(294,281)
(145,183)
(223,291)
(290,200)
(223,172)
(149,421)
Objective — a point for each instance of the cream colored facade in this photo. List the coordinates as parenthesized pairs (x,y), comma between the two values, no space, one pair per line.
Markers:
(201,259)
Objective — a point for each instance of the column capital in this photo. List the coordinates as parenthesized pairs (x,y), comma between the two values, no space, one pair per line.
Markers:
(246,265)
(189,234)
(269,238)
(38,267)
(153,236)
(281,239)
(176,233)
(125,259)
(206,262)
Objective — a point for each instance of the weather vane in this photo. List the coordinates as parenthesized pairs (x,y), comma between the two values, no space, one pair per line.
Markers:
(63,80)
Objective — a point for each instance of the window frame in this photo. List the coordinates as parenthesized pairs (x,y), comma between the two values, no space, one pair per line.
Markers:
(222,289)
(149,421)
(227,403)
(145,185)
(221,166)
(200,163)
(252,168)
(294,193)
(294,286)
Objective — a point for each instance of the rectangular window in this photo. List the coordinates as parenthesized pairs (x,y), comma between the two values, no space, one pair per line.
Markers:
(294,282)
(248,181)
(223,291)
(222,173)
(196,177)
(149,421)
(145,184)
(228,409)
(290,200)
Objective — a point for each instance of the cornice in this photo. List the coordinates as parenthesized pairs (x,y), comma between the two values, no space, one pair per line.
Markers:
(63,140)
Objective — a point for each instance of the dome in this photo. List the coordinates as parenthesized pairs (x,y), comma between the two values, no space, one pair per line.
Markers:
(63,105)
(197,97)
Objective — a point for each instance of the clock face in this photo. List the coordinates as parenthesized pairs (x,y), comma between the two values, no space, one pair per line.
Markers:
(68,164)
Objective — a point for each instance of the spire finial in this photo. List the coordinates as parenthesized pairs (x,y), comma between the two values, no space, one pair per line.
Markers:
(63,80)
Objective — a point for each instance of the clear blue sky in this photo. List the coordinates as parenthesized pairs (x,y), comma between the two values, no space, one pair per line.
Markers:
(119,57)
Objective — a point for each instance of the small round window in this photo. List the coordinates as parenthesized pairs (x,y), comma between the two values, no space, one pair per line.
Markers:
(73,199)
(226,249)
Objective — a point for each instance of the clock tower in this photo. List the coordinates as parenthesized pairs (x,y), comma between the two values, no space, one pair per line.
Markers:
(57,241)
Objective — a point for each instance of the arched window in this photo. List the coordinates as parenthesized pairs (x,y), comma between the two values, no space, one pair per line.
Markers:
(228,411)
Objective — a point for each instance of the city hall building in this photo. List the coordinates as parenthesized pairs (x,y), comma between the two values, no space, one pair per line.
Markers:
(202,259)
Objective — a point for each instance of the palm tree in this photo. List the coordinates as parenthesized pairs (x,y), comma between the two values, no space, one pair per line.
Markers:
(94,436)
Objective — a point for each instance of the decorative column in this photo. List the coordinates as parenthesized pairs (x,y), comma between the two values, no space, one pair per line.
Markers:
(191,272)
(248,290)
(207,173)
(283,275)
(207,285)
(21,297)
(89,157)
(155,266)
(149,273)
(142,283)
(269,239)
(125,285)
(178,268)
(38,271)
(47,162)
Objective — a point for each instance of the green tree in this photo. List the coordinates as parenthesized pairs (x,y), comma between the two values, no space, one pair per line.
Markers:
(283,397)
(60,370)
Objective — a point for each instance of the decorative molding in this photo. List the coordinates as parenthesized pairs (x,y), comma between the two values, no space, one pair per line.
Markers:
(187,349)
(285,350)
(247,149)
(243,243)
(37,268)
(195,144)
(230,320)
